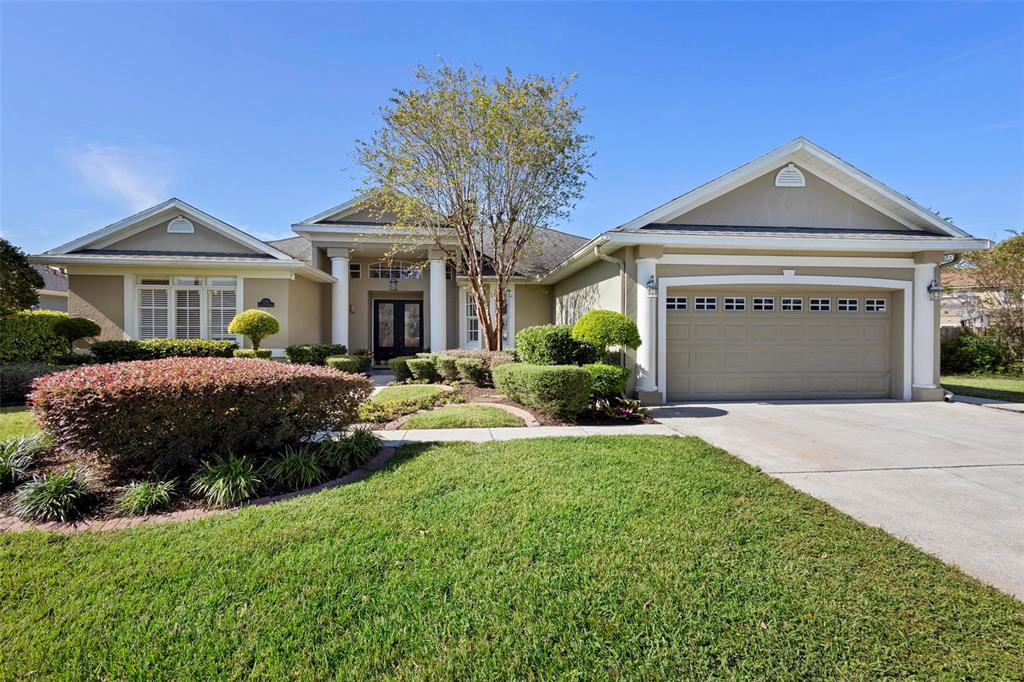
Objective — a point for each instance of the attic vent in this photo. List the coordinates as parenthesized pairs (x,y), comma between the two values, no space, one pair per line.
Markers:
(790,176)
(181,226)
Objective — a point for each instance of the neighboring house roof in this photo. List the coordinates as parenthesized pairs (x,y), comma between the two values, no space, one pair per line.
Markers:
(53,280)
(958,278)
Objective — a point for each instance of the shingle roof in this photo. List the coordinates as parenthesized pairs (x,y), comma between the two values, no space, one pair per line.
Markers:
(298,248)
(547,249)
(52,279)
(958,278)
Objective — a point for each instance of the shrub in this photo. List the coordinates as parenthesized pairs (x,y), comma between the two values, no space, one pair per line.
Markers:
(384,411)
(346,363)
(314,353)
(145,497)
(351,450)
(29,336)
(252,353)
(136,416)
(255,325)
(227,480)
(297,467)
(607,381)
(491,358)
(553,344)
(16,380)
(400,367)
(155,349)
(446,367)
(473,371)
(423,369)
(59,496)
(552,389)
(605,328)
(17,455)
(72,329)
(968,353)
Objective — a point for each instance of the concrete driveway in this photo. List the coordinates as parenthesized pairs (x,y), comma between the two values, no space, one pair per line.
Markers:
(947,477)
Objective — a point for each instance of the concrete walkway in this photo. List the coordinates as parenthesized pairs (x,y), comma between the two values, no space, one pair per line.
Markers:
(990,402)
(946,477)
(403,437)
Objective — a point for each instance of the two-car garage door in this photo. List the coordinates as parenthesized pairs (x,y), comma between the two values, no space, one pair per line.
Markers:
(778,344)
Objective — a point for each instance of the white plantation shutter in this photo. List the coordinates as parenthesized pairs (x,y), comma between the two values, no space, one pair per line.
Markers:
(222,310)
(187,316)
(153,313)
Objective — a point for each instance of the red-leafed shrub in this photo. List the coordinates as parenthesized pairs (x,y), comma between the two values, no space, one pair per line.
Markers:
(160,415)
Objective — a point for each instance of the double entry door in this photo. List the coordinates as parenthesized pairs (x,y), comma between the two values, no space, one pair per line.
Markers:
(397,329)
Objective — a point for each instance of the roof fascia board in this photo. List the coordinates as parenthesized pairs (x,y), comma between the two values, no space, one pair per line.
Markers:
(350,204)
(949,245)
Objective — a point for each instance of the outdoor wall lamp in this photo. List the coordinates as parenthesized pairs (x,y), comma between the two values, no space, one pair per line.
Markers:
(934,290)
(652,286)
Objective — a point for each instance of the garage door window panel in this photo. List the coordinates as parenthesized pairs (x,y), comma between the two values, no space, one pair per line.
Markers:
(761,304)
(735,303)
(847,305)
(821,305)
(705,303)
(792,305)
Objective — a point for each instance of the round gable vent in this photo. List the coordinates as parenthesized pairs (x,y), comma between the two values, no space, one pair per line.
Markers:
(181,225)
(790,176)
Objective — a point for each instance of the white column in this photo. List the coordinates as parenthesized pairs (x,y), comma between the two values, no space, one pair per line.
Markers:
(438,304)
(924,327)
(646,314)
(339,298)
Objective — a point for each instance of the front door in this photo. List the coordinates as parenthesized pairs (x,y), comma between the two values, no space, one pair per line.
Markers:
(397,329)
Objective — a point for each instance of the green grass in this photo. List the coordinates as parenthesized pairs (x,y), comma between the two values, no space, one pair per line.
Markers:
(394,394)
(463,417)
(640,558)
(996,387)
(16,421)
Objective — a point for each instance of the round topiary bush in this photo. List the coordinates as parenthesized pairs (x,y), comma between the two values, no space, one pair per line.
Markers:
(159,416)
(72,329)
(604,329)
(255,325)
(553,344)
(607,381)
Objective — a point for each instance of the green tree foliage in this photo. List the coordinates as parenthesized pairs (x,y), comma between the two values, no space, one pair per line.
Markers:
(18,280)
(72,329)
(255,325)
(605,329)
(998,274)
(477,164)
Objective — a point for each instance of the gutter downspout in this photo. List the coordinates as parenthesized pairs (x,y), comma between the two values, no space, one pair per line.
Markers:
(622,275)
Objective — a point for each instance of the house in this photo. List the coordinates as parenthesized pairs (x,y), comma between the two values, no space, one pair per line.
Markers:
(964,303)
(54,293)
(793,276)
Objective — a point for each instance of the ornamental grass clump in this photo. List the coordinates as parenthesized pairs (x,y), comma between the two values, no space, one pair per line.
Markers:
(297,467)
(146,497)
(18,455)
(56,496)
(350,451)
(141,418)
(227,480)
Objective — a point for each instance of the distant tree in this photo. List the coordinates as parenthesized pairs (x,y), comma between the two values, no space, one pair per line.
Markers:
(998,275)
(475,165)
(18,280)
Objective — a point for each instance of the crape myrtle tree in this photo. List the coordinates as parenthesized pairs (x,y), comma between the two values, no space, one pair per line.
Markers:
(474,165)
(999,274)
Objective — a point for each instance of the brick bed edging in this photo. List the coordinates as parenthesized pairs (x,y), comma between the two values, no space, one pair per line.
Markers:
(528,419)
(12,524)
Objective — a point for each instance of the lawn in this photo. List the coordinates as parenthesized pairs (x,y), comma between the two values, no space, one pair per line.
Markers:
(630,557)
(997,387)
(16,421)
(395,394)
(462,417)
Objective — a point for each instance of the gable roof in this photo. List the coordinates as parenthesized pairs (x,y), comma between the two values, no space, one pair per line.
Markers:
(135,223)
(823,165)
(53,280)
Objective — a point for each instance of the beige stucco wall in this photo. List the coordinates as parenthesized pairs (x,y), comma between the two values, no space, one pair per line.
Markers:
(761,203)
(594,287)
(158,239)
(534,306)
(277,290)
(100,298)
(304,311)
(50,302)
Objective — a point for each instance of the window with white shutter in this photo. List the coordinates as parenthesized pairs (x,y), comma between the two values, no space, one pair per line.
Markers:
(153,316)
(222,310)
(187,314)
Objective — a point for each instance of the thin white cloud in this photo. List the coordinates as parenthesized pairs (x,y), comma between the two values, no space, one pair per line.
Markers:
(135,177)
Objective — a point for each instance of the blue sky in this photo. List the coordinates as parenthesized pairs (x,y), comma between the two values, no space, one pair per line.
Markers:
(249,111)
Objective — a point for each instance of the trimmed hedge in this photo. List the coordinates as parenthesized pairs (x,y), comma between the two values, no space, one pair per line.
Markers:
(553,389)
(156,349)
(253,353)
(473,370)
(30,336)
(314,353)
(553,344)
(346,363)
(16,380)
(400,367)
(141,418)
(423,369)
(607,381)
(446,367)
